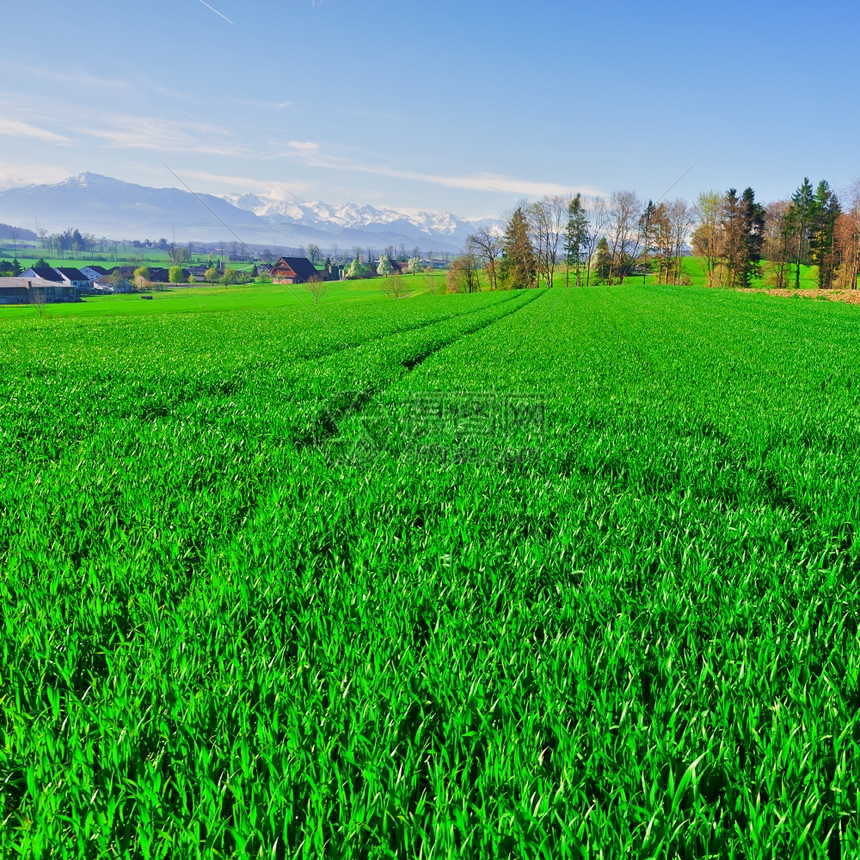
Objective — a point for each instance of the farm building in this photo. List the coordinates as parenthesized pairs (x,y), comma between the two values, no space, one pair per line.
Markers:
(24,291)
(293,270)
(65,275)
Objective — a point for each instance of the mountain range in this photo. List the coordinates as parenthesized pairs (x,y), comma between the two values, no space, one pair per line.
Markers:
(123,210)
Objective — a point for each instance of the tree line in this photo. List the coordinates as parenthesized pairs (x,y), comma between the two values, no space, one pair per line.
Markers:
(606,240)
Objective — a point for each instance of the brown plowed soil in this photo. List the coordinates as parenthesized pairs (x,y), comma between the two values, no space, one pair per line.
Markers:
(850,296)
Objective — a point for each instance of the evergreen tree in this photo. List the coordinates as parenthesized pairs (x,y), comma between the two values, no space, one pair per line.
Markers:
(733,237)
(743,228)
(576,236)
(646,228)
(822,246)
(800,217)
(752,224)
(519,262)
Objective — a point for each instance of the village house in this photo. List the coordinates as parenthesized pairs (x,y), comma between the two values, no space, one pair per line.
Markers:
(93,272)
(73,277)
(67,275)
(62,276)
(112,284)
(42,273)
(293,270)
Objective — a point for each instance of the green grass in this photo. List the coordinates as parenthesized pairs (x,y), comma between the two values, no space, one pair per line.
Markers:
(567,573)
(695,269)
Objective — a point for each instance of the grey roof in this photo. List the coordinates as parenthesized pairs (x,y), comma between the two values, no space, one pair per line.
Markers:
(71,273)
(18,283)
(46,273)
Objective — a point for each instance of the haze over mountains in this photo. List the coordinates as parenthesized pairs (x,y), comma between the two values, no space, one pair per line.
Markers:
(122,210)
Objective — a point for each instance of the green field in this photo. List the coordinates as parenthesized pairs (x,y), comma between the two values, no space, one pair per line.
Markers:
(126,255)
(204,298)
(566,573)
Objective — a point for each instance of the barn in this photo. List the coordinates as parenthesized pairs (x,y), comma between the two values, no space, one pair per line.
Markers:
(293,270)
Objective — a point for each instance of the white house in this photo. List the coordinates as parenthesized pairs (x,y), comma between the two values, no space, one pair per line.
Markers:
(92,273)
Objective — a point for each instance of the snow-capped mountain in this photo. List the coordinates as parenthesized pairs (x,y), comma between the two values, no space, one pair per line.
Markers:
(354,216)
(122,210)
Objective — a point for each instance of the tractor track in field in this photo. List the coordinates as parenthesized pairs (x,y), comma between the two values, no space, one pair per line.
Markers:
(345,405)
(345,347)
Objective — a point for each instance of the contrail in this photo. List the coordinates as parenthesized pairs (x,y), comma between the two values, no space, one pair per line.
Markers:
(203,202)
(216,12)
(672,185)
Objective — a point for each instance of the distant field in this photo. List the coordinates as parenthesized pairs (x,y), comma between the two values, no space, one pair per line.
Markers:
(127,256)
(694,268)
(204,298)
(558,574)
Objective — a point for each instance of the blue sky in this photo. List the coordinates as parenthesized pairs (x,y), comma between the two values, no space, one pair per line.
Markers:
(462,106)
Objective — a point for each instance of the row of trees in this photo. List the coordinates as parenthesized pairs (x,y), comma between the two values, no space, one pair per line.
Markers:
(178,275)
(609,239)
(594,238)
(811,228)
(814,228)
(384,267)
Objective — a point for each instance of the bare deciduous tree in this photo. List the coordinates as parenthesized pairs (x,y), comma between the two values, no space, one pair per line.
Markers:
(179,255)
(598,217)
(317,287)
(708,236)
(547,218)
(395,286)
(433,282)
(682,216)
(486,246)
(624,233)
(778,242)
(463,274)
(848,239)
(38,297)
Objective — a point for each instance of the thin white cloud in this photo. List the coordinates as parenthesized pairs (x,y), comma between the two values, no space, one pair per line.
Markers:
(162,135)
(312,155)
(73,78)
(263,105)
(265,187)
(15,128)
(16,175)
(304,146)
(490,182)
